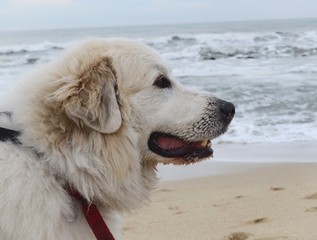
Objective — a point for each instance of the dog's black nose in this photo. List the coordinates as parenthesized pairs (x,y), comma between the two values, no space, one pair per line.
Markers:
(227,110)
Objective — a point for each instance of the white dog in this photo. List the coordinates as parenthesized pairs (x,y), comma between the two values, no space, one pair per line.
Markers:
(99,119)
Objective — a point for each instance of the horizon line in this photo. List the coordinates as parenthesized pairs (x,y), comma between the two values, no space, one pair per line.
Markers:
(152,24)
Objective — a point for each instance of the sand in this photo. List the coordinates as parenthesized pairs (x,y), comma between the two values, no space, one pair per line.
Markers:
(237,201)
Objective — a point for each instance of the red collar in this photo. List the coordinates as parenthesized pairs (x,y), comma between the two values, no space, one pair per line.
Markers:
(93,217)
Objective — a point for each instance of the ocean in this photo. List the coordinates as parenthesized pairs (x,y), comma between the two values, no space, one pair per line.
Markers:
(268,69)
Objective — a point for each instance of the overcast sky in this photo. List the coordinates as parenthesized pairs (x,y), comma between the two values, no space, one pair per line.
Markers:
(48,14)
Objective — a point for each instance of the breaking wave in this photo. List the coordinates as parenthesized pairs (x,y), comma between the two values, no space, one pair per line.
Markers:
(238,45)
(25,49)
(18,55)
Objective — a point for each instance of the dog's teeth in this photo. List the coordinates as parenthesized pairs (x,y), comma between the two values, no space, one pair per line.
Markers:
(205,143)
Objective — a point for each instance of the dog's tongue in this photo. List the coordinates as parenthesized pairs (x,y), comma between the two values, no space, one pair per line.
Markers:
(170,143)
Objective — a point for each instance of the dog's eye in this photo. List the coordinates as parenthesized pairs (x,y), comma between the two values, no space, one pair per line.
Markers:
(162,82)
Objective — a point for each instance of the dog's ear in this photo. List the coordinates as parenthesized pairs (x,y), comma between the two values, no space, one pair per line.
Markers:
(94,98)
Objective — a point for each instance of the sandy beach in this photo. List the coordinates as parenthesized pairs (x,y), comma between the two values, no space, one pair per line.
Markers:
(275,200)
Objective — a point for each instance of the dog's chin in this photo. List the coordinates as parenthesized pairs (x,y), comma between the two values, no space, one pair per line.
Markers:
(174,150)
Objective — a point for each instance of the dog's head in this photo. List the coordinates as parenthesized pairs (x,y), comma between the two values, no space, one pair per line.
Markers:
(119,82)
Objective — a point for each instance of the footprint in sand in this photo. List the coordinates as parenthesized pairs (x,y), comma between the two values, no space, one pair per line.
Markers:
(257,221)
(164,190)
(312,209)
(238,236)
(176,210)
(311,197)
(277,189)
(245,236)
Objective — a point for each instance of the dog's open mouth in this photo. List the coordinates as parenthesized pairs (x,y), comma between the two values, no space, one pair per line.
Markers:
(170,146)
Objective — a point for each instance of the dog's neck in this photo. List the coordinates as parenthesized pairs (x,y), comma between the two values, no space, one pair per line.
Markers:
(109,175)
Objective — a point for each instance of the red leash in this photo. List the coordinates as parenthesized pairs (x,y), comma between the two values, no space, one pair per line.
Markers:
(93,217)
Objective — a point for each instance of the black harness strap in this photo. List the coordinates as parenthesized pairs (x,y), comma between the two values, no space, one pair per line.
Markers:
(13,136)
(9,135)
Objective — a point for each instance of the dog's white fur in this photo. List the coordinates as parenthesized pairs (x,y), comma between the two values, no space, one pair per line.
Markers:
(85,121)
